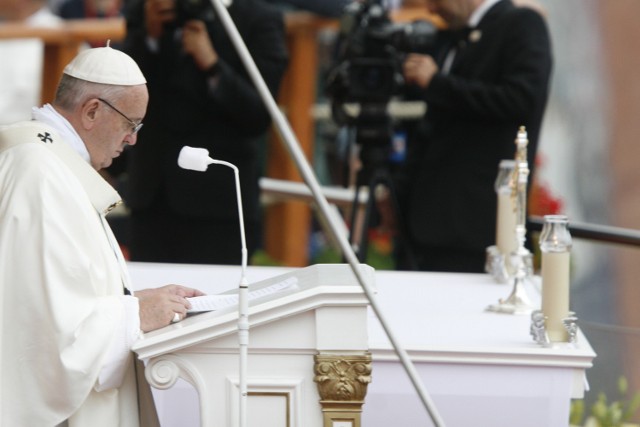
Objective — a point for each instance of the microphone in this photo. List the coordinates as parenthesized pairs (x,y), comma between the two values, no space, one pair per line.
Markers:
(198,159)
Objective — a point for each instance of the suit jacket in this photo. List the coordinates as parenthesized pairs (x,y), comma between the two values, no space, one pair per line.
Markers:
(497,83)
(227,118)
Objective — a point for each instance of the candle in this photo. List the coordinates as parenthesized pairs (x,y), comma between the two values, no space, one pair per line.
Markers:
(555,245)
(506,240)
(555,293)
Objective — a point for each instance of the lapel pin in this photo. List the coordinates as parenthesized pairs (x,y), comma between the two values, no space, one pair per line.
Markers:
(475,36)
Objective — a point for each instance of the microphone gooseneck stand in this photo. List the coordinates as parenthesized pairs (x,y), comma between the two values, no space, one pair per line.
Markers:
(198,159)
(305,170)
(243,304)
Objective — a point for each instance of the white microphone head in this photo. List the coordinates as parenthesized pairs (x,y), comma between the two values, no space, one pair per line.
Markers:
(196,159)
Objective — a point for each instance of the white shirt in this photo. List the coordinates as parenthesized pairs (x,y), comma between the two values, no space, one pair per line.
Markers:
(473,21)
(479,13)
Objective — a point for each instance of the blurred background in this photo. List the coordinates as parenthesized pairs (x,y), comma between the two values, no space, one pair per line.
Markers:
(587,162)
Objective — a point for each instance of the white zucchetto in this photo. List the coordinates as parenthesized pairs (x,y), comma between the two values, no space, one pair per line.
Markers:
(107,66)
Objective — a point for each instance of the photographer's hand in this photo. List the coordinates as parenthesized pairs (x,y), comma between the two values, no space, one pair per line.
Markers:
(196,42)
(419,69)
(156,14)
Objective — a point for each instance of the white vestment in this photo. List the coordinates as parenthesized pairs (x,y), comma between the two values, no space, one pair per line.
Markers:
(60,287)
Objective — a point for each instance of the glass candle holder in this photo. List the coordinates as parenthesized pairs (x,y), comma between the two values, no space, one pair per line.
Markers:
(555,245)
(506,240)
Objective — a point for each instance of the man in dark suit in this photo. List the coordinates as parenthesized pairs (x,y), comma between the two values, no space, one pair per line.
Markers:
(488,75)
(201,96)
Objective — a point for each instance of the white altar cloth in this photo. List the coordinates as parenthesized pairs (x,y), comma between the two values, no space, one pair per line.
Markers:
(480,368)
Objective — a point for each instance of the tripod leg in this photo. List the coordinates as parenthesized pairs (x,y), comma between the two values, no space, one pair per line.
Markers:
(364,231)
(401,238)
(354,224)
(358,236)
(359,231)
(403,242)
(361,245)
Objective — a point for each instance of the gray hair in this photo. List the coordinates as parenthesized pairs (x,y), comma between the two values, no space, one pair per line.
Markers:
(73,92)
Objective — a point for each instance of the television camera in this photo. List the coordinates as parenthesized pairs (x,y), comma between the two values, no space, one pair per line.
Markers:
(370,52)
(366,75)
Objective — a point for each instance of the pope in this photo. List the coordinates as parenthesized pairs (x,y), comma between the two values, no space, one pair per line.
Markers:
(68,320)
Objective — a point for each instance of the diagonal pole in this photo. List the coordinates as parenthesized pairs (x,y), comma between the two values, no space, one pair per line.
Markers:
(293,147)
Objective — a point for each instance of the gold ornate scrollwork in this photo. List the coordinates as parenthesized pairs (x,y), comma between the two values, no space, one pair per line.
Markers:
(342,383)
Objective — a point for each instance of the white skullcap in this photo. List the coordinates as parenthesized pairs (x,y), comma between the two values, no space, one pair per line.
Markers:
(107,66)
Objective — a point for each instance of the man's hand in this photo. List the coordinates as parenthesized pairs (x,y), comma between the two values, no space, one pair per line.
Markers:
(156,14)
(419,69)
(196,42)
(159,306)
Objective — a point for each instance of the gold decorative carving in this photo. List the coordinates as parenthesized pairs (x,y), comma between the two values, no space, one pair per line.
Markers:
(342,383)
(342,378)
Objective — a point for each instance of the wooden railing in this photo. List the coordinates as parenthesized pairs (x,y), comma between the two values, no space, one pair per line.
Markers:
(63,43)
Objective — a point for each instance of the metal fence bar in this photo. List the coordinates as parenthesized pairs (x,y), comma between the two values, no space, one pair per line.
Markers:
(600,233)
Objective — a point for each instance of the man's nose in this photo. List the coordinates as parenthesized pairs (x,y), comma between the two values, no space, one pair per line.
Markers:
(131,139)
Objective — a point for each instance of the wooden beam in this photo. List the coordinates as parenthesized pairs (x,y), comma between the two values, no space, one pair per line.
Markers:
(62,43)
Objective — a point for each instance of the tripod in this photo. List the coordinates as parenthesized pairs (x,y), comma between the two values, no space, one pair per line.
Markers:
(374,136)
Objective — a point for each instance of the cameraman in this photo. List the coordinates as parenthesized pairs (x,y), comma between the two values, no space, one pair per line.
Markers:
(488,76)
(200,95)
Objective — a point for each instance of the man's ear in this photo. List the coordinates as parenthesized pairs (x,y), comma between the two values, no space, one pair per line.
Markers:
(90,112)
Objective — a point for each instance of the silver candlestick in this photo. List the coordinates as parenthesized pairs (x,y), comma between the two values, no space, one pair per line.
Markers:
(520,260)
(497,256)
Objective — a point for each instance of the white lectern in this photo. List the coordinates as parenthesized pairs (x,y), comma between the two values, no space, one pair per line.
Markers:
(307,341)
(482,368)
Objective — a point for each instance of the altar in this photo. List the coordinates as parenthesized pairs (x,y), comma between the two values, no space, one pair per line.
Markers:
(480,368)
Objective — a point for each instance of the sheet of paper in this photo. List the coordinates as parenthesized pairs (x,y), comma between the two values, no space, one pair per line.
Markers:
(217,302)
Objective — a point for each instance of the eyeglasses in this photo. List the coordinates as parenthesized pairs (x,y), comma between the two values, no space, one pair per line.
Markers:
(135,127)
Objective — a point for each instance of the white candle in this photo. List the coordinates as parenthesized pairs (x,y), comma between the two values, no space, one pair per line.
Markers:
(555,293)
(506,240)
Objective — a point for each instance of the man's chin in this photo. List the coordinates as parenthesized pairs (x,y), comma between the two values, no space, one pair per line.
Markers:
(110,161)
(107,163)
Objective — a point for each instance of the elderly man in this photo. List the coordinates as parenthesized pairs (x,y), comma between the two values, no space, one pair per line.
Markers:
(66,324)
(487,76)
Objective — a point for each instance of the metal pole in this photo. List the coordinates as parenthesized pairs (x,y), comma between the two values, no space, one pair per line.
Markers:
(305,170)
